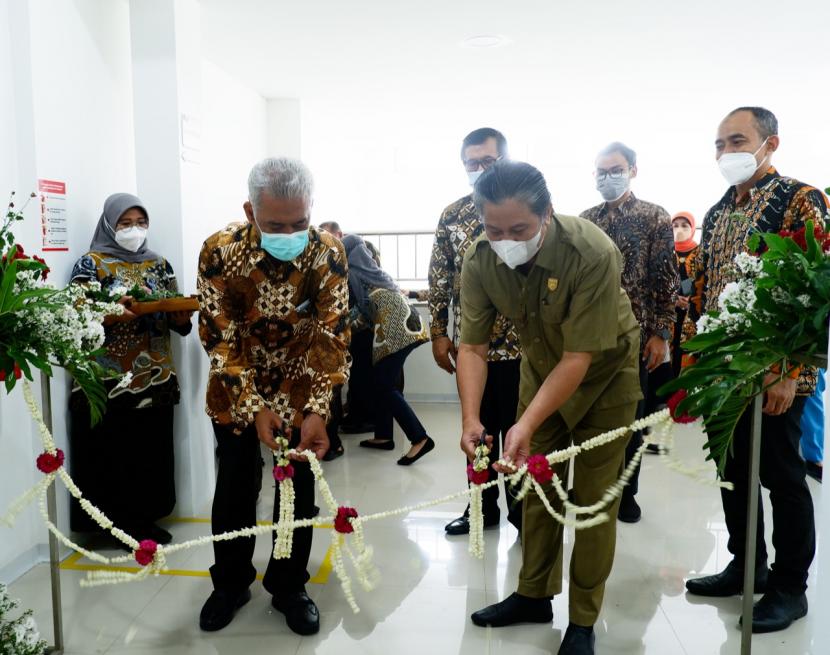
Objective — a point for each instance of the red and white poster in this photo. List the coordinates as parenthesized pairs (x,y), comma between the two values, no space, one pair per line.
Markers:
(53,219)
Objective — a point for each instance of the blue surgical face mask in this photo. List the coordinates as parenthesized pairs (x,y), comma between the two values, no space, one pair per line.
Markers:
(611,189)
(284,247)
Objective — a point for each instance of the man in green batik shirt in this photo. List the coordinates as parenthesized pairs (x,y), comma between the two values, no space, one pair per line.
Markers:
(558,279)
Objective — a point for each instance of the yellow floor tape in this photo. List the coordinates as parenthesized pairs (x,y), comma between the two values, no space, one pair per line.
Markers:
(73,563)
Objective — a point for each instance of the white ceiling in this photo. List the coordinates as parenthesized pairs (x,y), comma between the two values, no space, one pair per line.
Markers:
(321,48)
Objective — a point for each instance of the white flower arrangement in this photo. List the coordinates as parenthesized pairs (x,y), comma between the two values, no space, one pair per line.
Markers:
(18,635)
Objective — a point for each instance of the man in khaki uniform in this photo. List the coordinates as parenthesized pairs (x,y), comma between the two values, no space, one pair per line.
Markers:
(558,279)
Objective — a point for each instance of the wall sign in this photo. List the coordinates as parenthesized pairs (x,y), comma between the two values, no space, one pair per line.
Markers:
(53,219)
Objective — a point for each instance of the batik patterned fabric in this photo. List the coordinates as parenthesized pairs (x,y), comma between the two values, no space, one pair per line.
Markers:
(142,346)
(642,231)
(397,324)
(458,227)
(688,267)
(773,204)
(276,332)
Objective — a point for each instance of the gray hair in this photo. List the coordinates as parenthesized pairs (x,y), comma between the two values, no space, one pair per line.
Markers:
(280,177)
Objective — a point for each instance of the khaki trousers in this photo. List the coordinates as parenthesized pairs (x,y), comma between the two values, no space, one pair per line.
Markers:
(593,553)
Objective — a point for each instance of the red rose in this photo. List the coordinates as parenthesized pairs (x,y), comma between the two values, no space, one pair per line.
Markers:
(673,402)
(49,463)
(146,552)
(539,467)
(45,272)
(283,472)
(341,521)
(17,373)
(477,477)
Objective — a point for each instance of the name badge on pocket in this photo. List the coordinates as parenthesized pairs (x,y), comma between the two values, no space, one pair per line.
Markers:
(553,283)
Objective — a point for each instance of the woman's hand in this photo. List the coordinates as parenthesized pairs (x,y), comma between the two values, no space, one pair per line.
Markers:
(126,317)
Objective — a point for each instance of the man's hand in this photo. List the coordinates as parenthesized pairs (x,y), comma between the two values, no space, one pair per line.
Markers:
(444,353)
(313,437)
(682,302)
(655,352)
(266,423)
(470,437)
(516,449)
(126,317)
(780,396)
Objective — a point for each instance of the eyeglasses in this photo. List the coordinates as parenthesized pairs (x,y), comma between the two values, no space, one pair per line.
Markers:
(485,162)
(615,173)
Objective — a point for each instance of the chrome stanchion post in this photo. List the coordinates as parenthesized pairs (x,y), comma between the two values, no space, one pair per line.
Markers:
(751,524)
(52,510)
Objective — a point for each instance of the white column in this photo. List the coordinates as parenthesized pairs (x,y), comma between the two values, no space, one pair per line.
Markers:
(166,60)
(284,128)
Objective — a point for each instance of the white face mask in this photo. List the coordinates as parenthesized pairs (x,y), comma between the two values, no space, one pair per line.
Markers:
(132,238)
(473,176)
(738,167)
(516,253)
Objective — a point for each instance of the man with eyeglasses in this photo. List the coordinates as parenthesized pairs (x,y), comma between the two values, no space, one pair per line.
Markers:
(643,233)
(458,227)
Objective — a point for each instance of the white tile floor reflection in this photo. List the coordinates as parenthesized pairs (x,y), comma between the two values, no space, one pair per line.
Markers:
(430,585)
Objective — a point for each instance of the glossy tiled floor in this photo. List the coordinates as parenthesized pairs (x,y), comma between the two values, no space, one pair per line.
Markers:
(430,584)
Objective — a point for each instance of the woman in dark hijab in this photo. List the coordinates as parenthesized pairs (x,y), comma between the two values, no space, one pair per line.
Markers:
(398,330)
(124,464)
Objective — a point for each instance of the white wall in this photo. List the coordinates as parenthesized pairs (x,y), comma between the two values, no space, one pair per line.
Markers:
(18,549)
(234,138)
(73,122)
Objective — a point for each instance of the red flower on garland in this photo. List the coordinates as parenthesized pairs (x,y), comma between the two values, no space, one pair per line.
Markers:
(146,552)
(539,467)
(283,472)
(17,374)
(673,402)
(49,463)
(341,521)
(477,477)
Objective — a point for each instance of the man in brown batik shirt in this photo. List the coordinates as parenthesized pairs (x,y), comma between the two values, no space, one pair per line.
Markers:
(273,296)
(642,231)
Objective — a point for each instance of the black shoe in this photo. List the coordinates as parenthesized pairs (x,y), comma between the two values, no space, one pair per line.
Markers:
(219,609)
(357,428)
(656,449)
(630,511)
(578,640)
(408,461)
(315,511)
(728,582)
(158,534)
(301,614)
(777,610)
(461,525)
(814,470)
(333,453)
(378,445)
(514,609)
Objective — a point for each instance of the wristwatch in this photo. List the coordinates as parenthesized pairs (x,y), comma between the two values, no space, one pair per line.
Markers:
(663,333)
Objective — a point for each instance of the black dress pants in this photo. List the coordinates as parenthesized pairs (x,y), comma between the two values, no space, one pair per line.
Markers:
(783,472)
(498,414)
(238,482)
